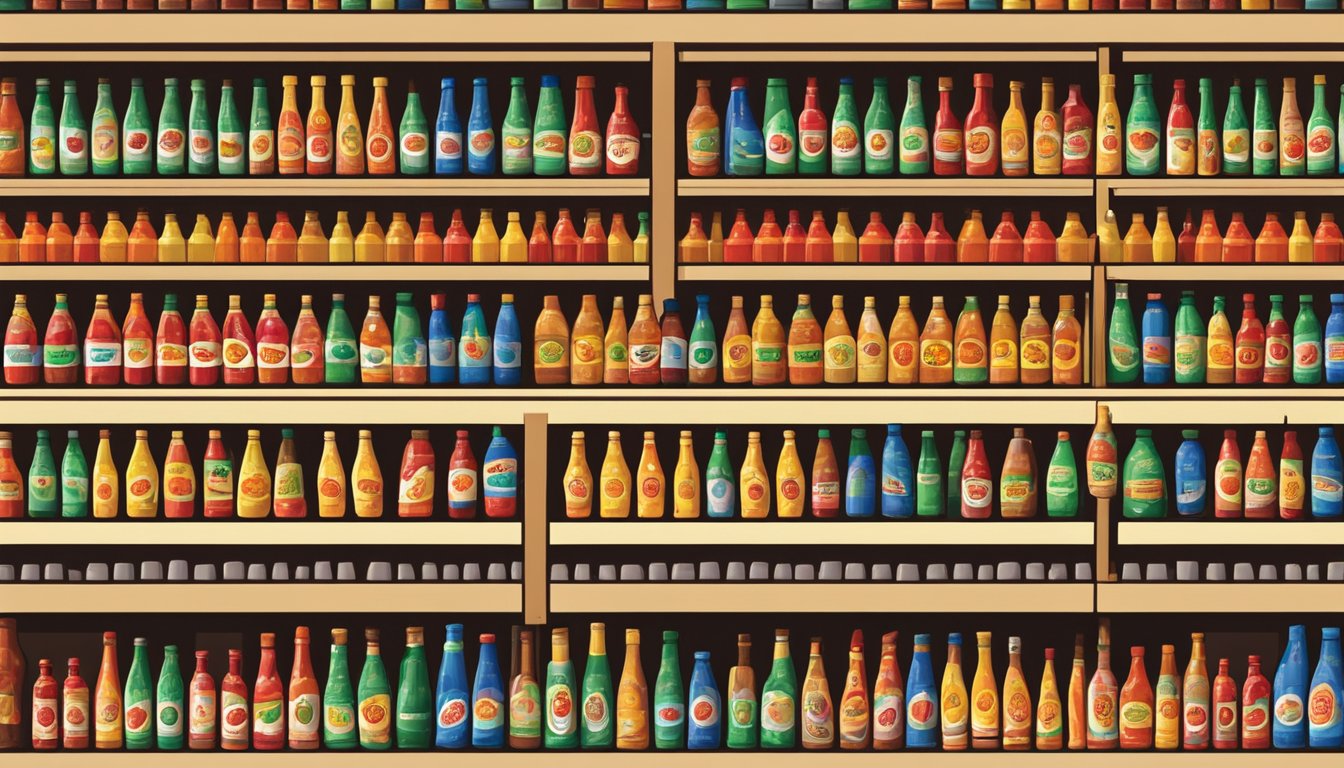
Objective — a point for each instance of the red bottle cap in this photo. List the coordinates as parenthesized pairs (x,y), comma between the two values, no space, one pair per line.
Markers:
(984,80)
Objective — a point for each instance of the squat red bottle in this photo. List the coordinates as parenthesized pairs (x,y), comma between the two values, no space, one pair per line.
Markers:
(977,482)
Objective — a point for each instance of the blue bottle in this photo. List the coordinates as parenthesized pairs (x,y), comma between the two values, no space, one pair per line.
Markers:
(744,154)
(1327,476)
(983,5)
(474,357)
(480,131)
(500,477)
(448,132)
(897,476)
(508,358)
(860,488)
(921,697)
(1290,692)
(442,355)
(410,5)
(454,720)
(704,721)
(1192,477)
(704,5)
(1326,688)
(1334,341)
(488,690)
(1156,341)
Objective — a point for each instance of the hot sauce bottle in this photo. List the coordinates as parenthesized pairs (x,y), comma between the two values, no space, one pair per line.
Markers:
(137,342)
(1224,708)
(622,138)
(1292,484)
(981,131)
(170,345)
(1136,705)
(1227,478)
(977,481)
(46,728)
(1250,349)
(1255,715)
(1078,135)
(463,479)
(203,351)
(239,345)
(23,353)
(74,708)
(948,142)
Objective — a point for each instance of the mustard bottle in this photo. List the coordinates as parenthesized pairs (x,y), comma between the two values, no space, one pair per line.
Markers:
(254,480)
(620,248)
(142,479)
(754,483)
(844,243)
(112,243)
(1071,245)
(1164,240)
(366,479)
(1300,241)
(201,244)
(650,481)
(341,246)
(330,479)
(106,485)
(1110,247)
(399,245)
(686,480)
(312,240)
(614,480)
(513,245)
(789,478)
(485,243)
(172,246)
(578,480)
(369,245)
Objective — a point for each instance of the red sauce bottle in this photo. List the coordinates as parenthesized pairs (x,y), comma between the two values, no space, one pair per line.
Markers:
(585,142)
(1238,246)
(463,477)
(233,697)
(1291,500)
(268,688)
(46,721)
(1279,347)
(179,486)
(539,245)
(201,693)
(428,246)
(768,247)
(1250,355)
(170,345)
(1328,244)
(982,130)
(875,244)
(415,491)
(239,348)
(977,481)
(75,708)
(672,355)
(1262,479)
(33,241)
(60,243)
(102,346)
(795,239)
(1079,134)
(86,240)
(622,138)
(565,240)
(909,242)
(1255,707)
(283,245)
(825,478)
(818,247)
(1039,245)
(60,346)
(812,126)
(217,485)
(1136,696)
(1005,247)
(272,344)
(948,145)
(593,246)
(23,353)
(457,240)
(203,354)
(939,247)
(137,344)
(1271,245)
(1185,242)
(737,247)
(1224,708)
(1227,478)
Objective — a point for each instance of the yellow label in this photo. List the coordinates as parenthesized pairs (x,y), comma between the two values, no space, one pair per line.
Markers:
(179,481)
(935,353)
(1003,354)
(1035,354)
(1066,354)
(737,352)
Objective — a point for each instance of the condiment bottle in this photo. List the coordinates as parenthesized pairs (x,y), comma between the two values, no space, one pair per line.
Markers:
(1271,245)
(982,129)
(1136,705)
(1065,345)
(954,702)
(1195,718)
(970,365)
(1018,482)
(1016,701)
(935,346)
(972,244)
(1039,245)
(767,346)
(1103,730)
(1034,344)
(977,483)
(1225,729)
(1255,707)
(1227,477)
(1049,709)
(645,344)
(1261,481)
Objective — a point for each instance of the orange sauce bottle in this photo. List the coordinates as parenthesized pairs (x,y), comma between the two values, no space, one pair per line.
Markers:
(33,241)
(312,244)
(399,245)
(1006,246)
(1136,705)
(972,245)
(650,482)
(289,143)
(283,245)
(428,245)
(578,480)
(1271,245)
(970,365)
(9,244)
(737,346)
(839,358)
(539,244)
(795,240)
(805,344)
(1066,351)
(318,159)
(1003,354)
(1039,245)
(1034,344)
(768,247)
(587,349)
(349,135)
(908,245)
(1327,247)
(1238,247)
(694,247)
(935,346)
(550,353)
(369,245)
(1262,479)
(1209,241)
(142,246)
(903,346)
(380,145)
(251,244)
(84,245)
(645,340)
(375,346)
(227,245)
(60,241)
(767,346)
(818,247)
(616,351)
(875,244)
(871,345)
(737,247)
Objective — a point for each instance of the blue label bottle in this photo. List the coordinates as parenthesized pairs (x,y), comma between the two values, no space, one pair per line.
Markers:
(1156,341)
(454,710)
(704,710)
(488,695)
(1192,477)
(473,350)
(508,345)
(442,355)
(1290,692)
(1326,728)
(860,488)
(1327,476)
(480,131)
(897,475)
(745,151)
(921,699)
(1334,340)
(500,476)
(448,132)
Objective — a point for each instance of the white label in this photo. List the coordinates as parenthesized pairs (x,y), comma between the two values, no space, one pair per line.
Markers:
(46,726)
(232,150)
(202,146)
(272,355)
(102,354)
(304,717)
(172,356)
(202,713)
(170,719)
(267,141)
(462,485)
(449,145)
(136,144)
(205,354)
(878,144)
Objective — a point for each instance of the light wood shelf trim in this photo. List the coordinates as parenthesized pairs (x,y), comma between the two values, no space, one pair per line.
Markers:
(92,408)
(330,186)
(1226,187)
(70,273)
(1153,57)
(1186,533)
(829,597)
(837,55)
(1221,272)
(258,597)
(821,532)
(311,532)
(1241,406)
(308,55)
(884,187)
(829,410)
(893,272)
(1229,597)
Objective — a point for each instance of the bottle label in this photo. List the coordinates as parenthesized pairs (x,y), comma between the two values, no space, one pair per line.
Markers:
(205,354)
(75,489)
(137,353)
(1003,354)
(981,145)
(1307,355)
(23,355)
(1016,152)
(1157,350)
(947,145)
(888,715)
(142,489)
(719,492)
(218,479)
(1077,141)
(104,147)
(617,355)
(237,354)
(812,143)
(171,142)
(1278,351)
(442,352)
(805,355)
(914,145)
(1136,716)
(1220,354)
(1189,354)
(840,353)
(737,352)
(462,486)
(516,147)
(42,487)
(878,143)
(1322,707)
(1236,146)
(970,353)
(1266,145)
(201,150)
(45,725)
(374,358)
(202,714)
(668,714)
(449,144)
(104,487)
(1261,492)
(375,715)
(318,146)
(1255,716)
(379,147)
(1292,489)
(179,482)
(288,481)
(232,145)
(1180,150)
(233,717)
(410,353)
(1225,720)
(1292,149)
(705,711)
(1143,143)
(138,718)
(704,355)
(977,492)
(551,354)
(290,139)
(935,353)
(261,146)
(306,355)
(303,717)
(501,479)
(170,718)
(893,485)
(42,147)
(1101,722)
(506,354)
(644,357)
(136,144)
(560,710)
(75,708)
(74,143)
(844,142)
(108,711)
(414,145)
(673,353)
(585,149)
(922,714)
(417,487)
(1015,488)
(1288,710)
(777,712)
(550,145)
(1321,145)
(622,150)
(525,711)
(172,355)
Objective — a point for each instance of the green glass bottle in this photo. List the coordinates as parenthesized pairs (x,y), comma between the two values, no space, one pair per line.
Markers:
(43,500)
(1236,135)
(414,132)
(970,374)
(781,138)
(138,700)
(1307,363)
(1265,133)
(1339,126)
(137,133)
(73,139)
(169,153)
(232,148)
(338,712)
(1061,480)
(201,159)
(1143,131)
(42,132)
(1143,480)
(956,459)
(260,132)
(599,732)
(1122,348)
(879,132)
(1208,152)
(779,697)
(105,144)
(1320,133)
(415,701)
(561,732)
(549,138)
(515,134)
(74,478)
(929,493)
(375,697)
(169,698)
(704,348)
(846,152)
(720,488)
(914,149)
(1278,347)
(342,346)
(409,348)
(1191,341)
(669,699)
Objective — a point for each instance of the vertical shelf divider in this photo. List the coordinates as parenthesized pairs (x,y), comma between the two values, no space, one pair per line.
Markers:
(535,529)
(664,183)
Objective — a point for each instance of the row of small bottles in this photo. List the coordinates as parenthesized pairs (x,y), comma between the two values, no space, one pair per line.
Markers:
(670,5)
(1206,244)
(196,145)
(142,244)
(898,487)
(876,245)
(250,489)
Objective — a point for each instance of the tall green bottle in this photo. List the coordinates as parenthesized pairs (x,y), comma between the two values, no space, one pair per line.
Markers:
(104,141)
(1143,480)
(879,133)
(74,478)
(260,132)
(73,141)
(974,374)
(1265,133)
(720,489)
(515,135)
(1320,133)
(409,348)
(598,731)
(42,132)
(137,133)
(338,712)
(781,138)
(561,731)
(669,699)
(1061,480)
(43,499)
(170,701)
(956,458)
(1122,347)
(1208,149)
(138,700)
(342,346)
(415,702)
(415,153)
(375,697)
(914,148)
(846,149)
(1143,130)
(1236,135)
(549,138)
(1190,348)
(201,160)
(929,493)
(232,139)
(1307,363)
(779,698)
(170,158)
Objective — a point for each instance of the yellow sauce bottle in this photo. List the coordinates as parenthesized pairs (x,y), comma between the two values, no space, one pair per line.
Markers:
(1138,243)
(716,239)
(1071,245)
(840,361)
(312,241)
(754,482)
(112,243)
(955,709)
(254,480)
(330,479)
(1013,134)
(1164,240)
(767,346)
(872,345)
(172,246)
(686,480)
(399,245)
(650,480)
(984,697)
(201,244)
(578,480)
(1110,248)
(1016,701)
(641,242)
(513,246)
(1300,242)
(106,484)
(1047,146)
(789,478)
(903,345)
(142,479)
(818,713)
(616,366)
(349,135)
(844,243)
(485,243)
(614,501)
(586,346)
(1110,131)
(341,246)
(366,478)
(620,248)
(369,245)
(736,346)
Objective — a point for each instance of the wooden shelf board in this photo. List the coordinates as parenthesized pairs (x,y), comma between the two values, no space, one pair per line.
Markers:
(1231,56)
(311,532)
(827,597)
(839,55)
(257,406)
(308,55)
(69,273)
(1225,272)
(730,186)
(1229,597)
(1186,533)
(893,272)
(1264,186)
(820,532)
(1236,405)
(259,597)
(331,186)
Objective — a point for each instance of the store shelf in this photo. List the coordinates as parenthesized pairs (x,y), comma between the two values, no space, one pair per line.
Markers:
(1232,597)
(286,406)
(888,56)
(266,532)
(323,56)
(820,532)
(1303,407)
(259,597)
(1196,533)
(371,273)
(894,272)
(833,597)
(328,186)
(892,186)
(1246,186)
(1191,273)
(1226,56)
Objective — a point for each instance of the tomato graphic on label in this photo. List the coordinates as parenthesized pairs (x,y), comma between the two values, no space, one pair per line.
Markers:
(453,712)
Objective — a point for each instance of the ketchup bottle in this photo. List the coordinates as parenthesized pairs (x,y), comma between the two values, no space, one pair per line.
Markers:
(622,138)
(203,354)
(1238,245)
(415,490)
(102,346)
(1227,478)
(86,240)
(977,483)
(768,246)
(1224,708)
(825,478)
(272,344)
(795,248)
(75,709)
(593,244)
(909,242)
(23,355)
(46,720)
(539,245)
(939,247)
(1292,483)
(239,348)
(1005,247)
(1255,707)
(737,246)
(1250,354)
(1262,481)
(463,479)
(565,240)
(1278,346)
(948,142)
(457,240)
(170,345)
(585,142)
(1039,245)
(137,343)
(60,346)
(1078,134)
(982,130)
(875,244)
(1328,244)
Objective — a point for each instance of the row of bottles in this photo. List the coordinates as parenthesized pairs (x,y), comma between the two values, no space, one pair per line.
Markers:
(249,488)
(670,5)
(1207,244)
(1185,350)
(876,245)
(1055,141)
(187,141)
(142,244)
(900,486)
